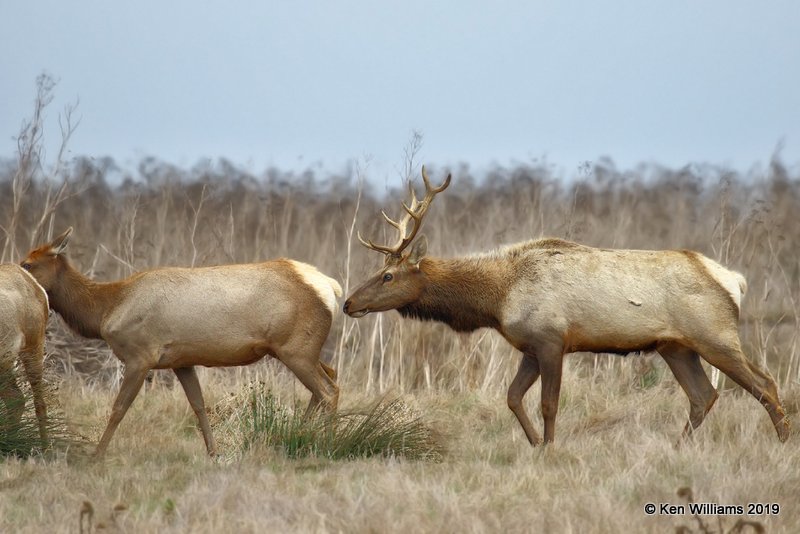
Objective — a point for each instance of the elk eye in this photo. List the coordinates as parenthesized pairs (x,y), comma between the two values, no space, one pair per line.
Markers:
(26,266)
(387,277)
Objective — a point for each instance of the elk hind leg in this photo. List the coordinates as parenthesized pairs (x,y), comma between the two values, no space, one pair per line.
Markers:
(526,376)
(33,362)
(191,386)
(551,363)
(685,365)
(10,393)
(330,371)
(306,366)
(729,358)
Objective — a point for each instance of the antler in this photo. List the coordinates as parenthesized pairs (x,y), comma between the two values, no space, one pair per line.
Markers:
(415,212)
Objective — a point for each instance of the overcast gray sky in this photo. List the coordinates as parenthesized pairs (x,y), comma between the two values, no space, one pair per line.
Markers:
(296,83)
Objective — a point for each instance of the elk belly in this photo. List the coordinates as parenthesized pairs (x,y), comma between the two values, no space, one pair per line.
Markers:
(621,334)
(219,354)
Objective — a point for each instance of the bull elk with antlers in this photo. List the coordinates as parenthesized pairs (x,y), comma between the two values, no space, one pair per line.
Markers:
(176,318)
(551,297)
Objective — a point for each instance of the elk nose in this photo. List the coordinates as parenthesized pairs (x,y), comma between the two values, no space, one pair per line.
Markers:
(346,305)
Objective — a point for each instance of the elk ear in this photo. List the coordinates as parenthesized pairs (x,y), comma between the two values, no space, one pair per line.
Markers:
(59,244)
(418,251)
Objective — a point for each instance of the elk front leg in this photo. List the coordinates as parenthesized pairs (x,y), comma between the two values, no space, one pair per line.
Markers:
(191,386)
(132,381)
(526,376)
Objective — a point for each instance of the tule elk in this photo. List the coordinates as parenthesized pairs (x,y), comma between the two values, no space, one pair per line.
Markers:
(23,319)
(551,297)
(176,318)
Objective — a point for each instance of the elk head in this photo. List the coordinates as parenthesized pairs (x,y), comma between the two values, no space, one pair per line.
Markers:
(400,281)
(43,262)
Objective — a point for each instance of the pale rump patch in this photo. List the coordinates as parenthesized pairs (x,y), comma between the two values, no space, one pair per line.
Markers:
(733,282)
(327,288)
(36,282)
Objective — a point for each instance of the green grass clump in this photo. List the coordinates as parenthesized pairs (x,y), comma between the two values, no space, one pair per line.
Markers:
(21,438)
(388,428)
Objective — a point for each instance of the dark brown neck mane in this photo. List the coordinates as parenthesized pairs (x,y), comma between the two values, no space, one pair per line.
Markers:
(464,293)
(82,302)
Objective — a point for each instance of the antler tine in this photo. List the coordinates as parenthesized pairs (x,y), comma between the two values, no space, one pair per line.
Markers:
(431,189)
(413,214)
(445,185)
(425,179)
(390,221)
(416,212)
(370,245)
(413,193)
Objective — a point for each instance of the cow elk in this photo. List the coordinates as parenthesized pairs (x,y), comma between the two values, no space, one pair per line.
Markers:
(177,318)
(551,297)
(23,319)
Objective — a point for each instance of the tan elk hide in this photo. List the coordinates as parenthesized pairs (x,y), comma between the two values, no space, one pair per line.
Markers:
(551,297)
(23,319)
(176,318)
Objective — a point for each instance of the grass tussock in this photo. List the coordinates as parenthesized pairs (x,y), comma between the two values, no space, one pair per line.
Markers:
(388,428)
(22,439)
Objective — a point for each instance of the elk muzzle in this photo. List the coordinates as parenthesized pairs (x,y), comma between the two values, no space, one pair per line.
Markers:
(351,312)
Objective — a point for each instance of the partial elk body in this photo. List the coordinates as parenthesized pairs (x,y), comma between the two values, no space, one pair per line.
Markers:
(551,297)
(176,318)
(23,319)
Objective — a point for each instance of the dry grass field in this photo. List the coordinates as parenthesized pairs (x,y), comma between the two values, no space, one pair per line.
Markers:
(619,420)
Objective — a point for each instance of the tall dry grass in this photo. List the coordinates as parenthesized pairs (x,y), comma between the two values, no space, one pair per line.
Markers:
(217,213)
